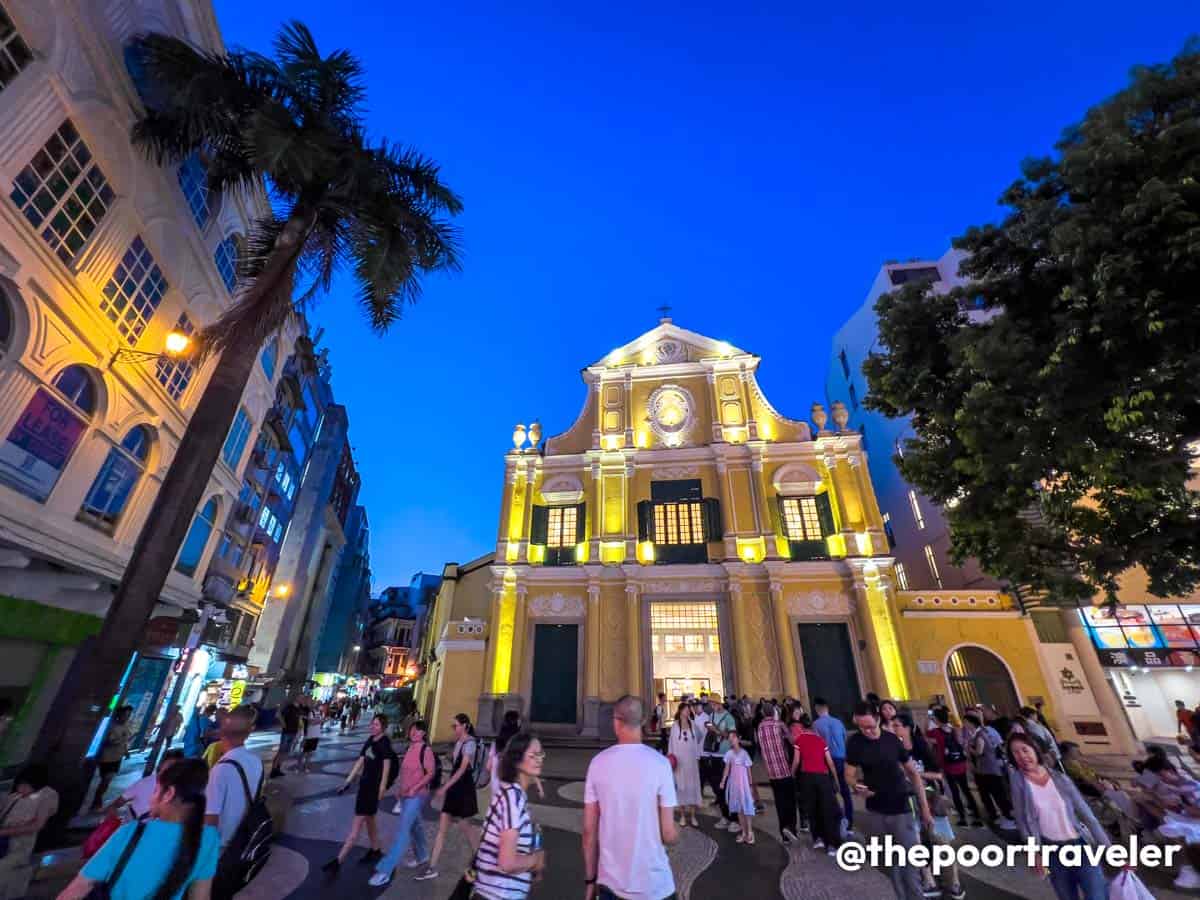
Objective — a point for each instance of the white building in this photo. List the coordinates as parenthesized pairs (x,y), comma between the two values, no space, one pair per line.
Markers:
(101,251)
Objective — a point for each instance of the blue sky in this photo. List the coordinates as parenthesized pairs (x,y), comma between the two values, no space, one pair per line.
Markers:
(751,167)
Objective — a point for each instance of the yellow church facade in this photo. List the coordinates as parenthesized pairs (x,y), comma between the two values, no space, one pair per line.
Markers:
(684,536)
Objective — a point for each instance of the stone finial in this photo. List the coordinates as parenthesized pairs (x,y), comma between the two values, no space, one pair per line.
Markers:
(535,434)
(841,415)
(518,436)
(819,416)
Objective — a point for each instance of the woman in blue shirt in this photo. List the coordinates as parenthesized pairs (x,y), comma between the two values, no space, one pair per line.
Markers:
(175,854)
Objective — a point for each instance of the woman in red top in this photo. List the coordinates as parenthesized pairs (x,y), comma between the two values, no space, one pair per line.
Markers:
(818,780)
(951,756)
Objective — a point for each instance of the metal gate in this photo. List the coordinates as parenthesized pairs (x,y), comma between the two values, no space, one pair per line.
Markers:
(979,677)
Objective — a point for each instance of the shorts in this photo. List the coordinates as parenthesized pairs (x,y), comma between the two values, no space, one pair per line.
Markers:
(287,740)
(110,768)
(310,744)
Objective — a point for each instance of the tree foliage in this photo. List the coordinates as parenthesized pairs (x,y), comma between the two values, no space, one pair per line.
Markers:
(292,123)
(1056,395)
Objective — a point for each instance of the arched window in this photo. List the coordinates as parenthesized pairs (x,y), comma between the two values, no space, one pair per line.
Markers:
(122,469)
(979,676)
(49,429)
(197,539)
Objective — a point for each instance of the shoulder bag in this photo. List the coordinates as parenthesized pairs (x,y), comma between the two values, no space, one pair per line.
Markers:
(102,890)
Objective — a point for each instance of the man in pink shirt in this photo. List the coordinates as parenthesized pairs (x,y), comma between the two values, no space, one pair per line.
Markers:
(416,772)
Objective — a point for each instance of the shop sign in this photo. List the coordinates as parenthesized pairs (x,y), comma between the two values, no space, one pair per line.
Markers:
(1149,659)
(236,691)
(39,445)
(161,631)
(928,666)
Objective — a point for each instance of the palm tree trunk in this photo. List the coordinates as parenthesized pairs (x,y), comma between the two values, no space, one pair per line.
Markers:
(167,524)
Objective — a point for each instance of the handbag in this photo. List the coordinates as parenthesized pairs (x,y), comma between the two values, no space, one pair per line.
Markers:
(102,833)
(1127,886)
(102,890)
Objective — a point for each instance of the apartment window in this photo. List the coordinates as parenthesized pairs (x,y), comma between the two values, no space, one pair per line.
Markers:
(888,530)
(270,355)
(197,539)
(63,189)
(133,292)
(853,395)
(906,276)
(225,256)
(42,440)
(121,471)
(845,363)
(933,567)
(176,374)
(901,576)
(14,52)
(806,523)
(235,441)
(916,508)
(193,181)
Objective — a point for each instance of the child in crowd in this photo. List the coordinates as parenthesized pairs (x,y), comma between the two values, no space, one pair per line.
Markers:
(941,833)
(736,784)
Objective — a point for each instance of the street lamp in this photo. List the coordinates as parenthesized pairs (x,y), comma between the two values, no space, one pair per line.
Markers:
(357,648)
(282,591)
(175,346)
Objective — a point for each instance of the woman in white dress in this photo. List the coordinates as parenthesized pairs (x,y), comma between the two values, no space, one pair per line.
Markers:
(684,745)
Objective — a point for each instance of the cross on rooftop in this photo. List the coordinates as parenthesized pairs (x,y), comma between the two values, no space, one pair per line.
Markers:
(664,313)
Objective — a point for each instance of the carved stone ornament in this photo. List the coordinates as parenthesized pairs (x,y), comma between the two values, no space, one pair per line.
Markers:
(673,473)
(683,587)
(557,606)
(672,413)
(796,478)
(669,351)
(816,603)
(562,489)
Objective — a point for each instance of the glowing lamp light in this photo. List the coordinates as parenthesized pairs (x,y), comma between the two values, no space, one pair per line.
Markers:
(283,590)
(357,648)
(177,343)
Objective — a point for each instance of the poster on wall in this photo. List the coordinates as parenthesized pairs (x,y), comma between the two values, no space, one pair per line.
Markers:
(1064,673)
(37,449)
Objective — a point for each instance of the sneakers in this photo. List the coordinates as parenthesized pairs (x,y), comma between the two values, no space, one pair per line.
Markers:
(1005,823)
(379,879)
(429,873)
(416,863)
(933,892)
(722,824)
(818,844)
(956,892)
(789,835)
(1188,878)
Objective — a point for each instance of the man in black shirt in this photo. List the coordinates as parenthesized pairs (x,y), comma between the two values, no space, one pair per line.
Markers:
(881,770)
(289,718)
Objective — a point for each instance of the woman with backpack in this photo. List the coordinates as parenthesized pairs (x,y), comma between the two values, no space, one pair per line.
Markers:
(419,772)
(951,758)
(459,803)
(377,764)
(171,855)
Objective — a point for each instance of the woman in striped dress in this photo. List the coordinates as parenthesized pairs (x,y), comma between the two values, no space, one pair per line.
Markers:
(510,850)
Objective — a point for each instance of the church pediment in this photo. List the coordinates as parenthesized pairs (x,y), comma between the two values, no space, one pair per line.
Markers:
(669,345)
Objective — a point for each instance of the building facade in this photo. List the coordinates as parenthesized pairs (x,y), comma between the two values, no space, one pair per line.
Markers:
(684,536)
(339,647)
(102,253)
(916,528)
(397,624)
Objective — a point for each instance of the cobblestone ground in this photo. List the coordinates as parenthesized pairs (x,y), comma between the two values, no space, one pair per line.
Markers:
(707,863)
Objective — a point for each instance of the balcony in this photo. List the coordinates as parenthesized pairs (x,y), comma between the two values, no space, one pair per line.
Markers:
(218,587)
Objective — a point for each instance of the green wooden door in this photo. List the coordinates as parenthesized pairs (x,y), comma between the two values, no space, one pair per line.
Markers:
(555,673)
(829,666)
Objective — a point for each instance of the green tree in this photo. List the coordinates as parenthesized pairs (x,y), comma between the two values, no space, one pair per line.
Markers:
(1055,423)
(290,126)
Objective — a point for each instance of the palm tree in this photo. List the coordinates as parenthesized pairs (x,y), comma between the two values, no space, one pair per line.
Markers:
(289,126)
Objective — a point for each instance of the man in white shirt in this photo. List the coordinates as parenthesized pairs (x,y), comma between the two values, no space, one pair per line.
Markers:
(226,796)
(628,815)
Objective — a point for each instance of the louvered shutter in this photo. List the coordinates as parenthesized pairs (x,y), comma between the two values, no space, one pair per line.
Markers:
(539,528)
(580,523)
(825,514)
(645,515)
(783,529)
(712,519)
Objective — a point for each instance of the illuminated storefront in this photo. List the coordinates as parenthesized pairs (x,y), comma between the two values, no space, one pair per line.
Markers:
(1149,653)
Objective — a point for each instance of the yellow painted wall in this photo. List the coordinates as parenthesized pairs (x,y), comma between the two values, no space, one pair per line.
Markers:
(929,638)
(458,691)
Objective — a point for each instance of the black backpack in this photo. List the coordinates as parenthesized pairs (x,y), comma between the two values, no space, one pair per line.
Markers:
(250,846)
(437,768)
(953,752)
